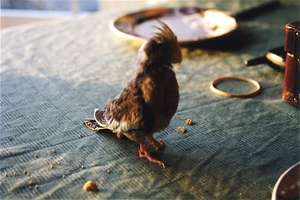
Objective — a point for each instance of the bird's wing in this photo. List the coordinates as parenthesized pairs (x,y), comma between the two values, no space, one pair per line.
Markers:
(124,114)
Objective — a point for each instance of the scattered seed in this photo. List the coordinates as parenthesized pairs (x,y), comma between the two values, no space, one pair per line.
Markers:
(30,184)
(25,173)
(36,156)
(189,122)
(36,187)
(6,175)
(10,139)
(108,171)
(90,186)
(51,166)
(82,167)
(63,176)
(181,129)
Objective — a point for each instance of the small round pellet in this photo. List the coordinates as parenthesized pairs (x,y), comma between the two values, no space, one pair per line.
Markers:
(189,122)
(90,186)
(181,129)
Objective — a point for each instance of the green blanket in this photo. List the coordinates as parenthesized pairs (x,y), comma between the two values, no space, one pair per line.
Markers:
(53,75)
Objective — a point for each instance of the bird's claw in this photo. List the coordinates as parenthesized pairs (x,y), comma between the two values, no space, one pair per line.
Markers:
(157,145)
(162,145)
(143,153)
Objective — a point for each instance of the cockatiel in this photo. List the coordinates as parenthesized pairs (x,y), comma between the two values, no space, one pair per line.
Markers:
(150,99)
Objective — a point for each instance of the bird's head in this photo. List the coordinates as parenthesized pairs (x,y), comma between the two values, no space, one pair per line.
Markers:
(162,48)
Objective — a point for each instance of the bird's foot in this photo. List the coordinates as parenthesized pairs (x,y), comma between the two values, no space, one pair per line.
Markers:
(157,145)
(144,153)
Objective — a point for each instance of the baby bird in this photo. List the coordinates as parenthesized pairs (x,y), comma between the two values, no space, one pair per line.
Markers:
(150,99)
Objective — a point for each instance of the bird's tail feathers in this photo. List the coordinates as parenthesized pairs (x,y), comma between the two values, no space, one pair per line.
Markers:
(99,117)
(93,125)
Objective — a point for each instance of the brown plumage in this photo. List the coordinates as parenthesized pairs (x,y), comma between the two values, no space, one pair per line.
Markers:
(150,99)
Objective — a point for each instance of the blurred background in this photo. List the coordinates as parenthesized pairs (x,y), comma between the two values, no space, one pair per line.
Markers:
(19,12)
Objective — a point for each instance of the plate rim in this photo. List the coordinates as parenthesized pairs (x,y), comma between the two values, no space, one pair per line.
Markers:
(129,36)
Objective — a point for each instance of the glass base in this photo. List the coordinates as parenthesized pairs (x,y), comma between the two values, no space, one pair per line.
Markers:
(291,98)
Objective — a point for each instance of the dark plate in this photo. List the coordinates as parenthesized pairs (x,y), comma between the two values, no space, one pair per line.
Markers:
(190,24)
(287,186)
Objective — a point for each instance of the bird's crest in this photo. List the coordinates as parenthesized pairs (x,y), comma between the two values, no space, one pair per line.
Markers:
(164,34)
(162,49)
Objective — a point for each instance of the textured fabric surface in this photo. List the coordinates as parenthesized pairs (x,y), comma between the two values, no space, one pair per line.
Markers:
(54,75)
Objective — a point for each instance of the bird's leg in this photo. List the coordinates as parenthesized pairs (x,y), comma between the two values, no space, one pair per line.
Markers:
(144,153)
(158,145)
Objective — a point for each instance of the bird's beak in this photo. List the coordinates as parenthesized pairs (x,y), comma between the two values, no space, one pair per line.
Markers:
(176,66)
(177,57)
